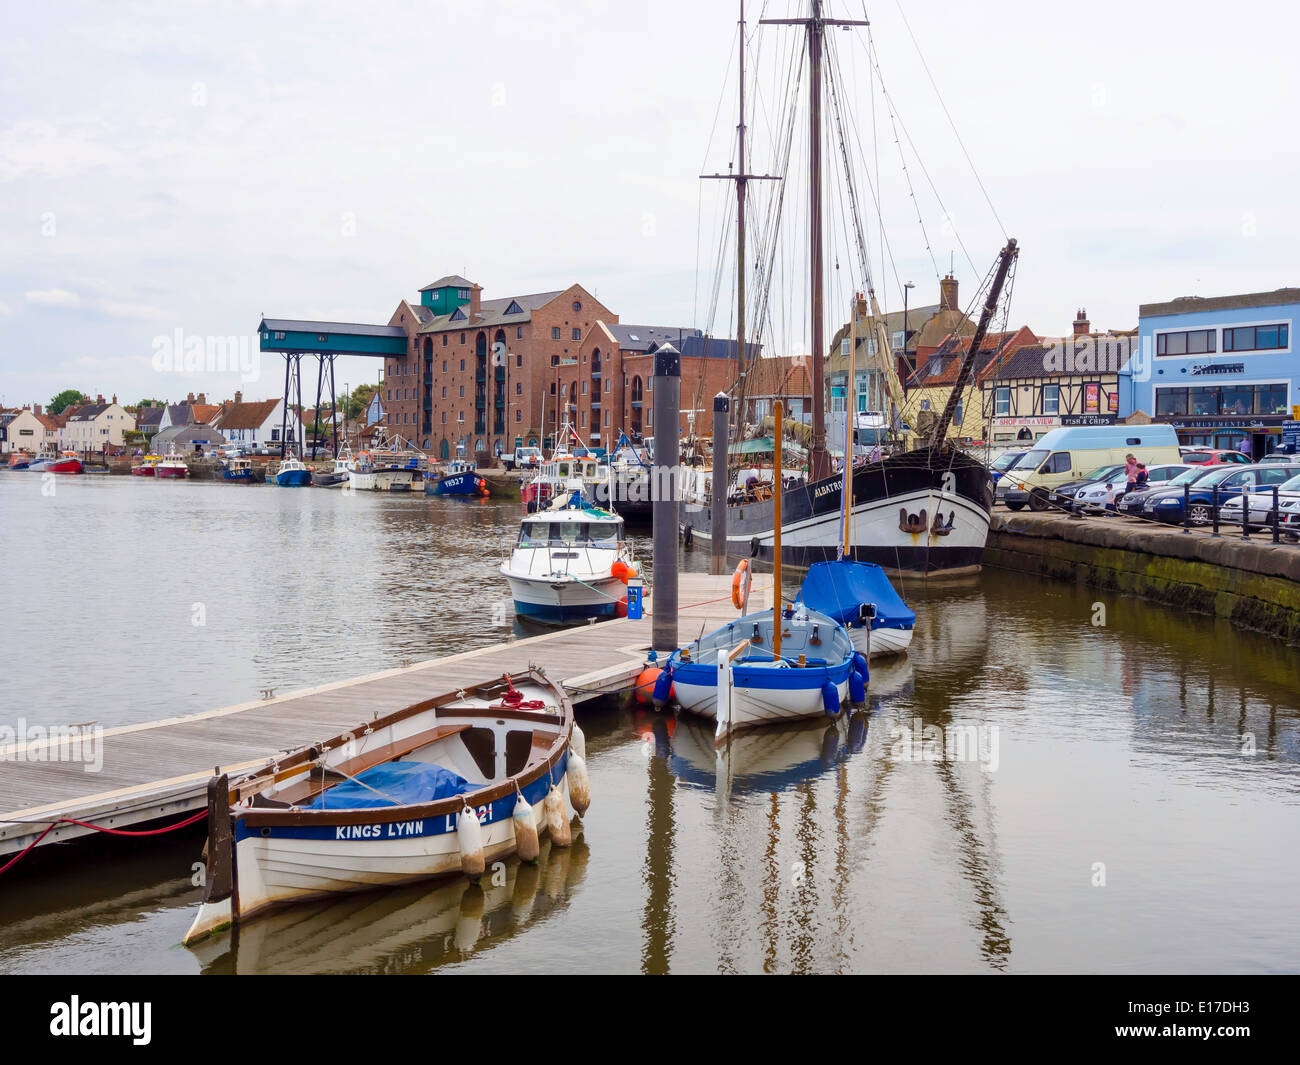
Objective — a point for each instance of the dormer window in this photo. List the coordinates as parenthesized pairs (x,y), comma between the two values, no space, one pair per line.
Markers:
(462,293)
(458,315)
(514,308)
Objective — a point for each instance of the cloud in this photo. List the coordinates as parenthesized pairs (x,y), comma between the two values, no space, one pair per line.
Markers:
(5,308)
(52,297)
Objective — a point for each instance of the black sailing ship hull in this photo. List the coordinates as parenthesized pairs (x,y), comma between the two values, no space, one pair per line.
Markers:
(922,512)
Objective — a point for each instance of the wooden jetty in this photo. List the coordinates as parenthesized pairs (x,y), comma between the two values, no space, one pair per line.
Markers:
(160,769)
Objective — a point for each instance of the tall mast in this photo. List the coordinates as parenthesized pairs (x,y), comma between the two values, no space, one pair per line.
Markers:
(741,177)
(815,24)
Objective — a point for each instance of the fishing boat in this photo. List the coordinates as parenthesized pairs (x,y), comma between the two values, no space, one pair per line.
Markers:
(630,468)
(774,666)
(171,467)
(570,563)
(338,475)
(925,508)
(293,473)
(237,469)
(437,789)
(381,471)
(67,462)
(458,478)
(564,474)
(147,466)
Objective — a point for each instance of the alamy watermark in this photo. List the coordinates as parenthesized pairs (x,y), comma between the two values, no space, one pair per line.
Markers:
(53,743)
(918,742)
(190,354)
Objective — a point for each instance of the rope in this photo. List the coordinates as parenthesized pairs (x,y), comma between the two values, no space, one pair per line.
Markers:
(98,828)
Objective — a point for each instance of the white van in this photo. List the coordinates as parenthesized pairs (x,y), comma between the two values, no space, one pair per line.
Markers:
(1068,454)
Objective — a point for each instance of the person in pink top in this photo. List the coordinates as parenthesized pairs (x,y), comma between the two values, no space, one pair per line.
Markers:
(1131,471)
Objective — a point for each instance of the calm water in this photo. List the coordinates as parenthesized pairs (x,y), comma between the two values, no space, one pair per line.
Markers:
(1158,752)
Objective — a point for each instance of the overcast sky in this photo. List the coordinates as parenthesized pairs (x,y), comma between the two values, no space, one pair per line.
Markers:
(192,166)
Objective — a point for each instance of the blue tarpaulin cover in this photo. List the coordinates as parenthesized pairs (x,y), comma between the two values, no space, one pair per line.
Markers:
(839,588)
(405,782)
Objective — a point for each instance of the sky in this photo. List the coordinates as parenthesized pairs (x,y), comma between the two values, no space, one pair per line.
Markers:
(192,166)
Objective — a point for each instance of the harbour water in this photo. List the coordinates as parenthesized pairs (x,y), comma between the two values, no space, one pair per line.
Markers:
(1053,780)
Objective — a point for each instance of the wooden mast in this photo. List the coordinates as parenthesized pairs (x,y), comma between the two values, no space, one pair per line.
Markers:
(819,459)
(741,177)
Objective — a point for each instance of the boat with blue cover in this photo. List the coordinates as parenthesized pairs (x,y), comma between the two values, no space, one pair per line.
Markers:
(437,789)
(458,479)
(860,597)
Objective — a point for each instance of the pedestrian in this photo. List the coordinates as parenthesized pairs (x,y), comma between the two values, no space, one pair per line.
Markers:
(1141,475)
(875,452)
(1131,470)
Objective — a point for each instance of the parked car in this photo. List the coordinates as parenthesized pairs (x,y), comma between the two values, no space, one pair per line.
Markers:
(1281,456)
(523,458)
(1261,504)
(1207,456)
(1063,494)
(1201,498)
(1004,462)
(1107,494)
(1133,502)
(1061,456)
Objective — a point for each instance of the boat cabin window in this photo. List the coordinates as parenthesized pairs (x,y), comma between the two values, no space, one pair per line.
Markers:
(542,534)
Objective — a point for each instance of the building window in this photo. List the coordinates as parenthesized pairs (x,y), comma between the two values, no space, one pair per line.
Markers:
(1193,342)
(1051,399)
(460,415)
(519,332)
(519,388)
(462,293)
(1171,401)
(462,391)
(444,391)
(444,417)
(444,340)
(607,419)
(607,384)
(444,365)
(462,338)
(584,388)
(462,365)
(577,333)
(1002,402)
(1256,338)
(576,306)
(518,414)
(555,332)
(519,362)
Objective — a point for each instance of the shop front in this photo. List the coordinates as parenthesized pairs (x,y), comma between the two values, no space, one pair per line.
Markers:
(1008,432)
(1237,417)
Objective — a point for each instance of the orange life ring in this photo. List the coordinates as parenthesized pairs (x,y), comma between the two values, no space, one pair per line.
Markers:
(740,584)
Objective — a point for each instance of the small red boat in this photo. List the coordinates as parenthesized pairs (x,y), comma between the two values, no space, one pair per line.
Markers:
(68,462)
(146,467)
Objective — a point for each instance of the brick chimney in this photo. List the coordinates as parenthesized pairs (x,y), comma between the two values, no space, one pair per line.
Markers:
(114,397)
(36,409)
(99,398)
(203,398)
(475,301)
(1082,327)
(239,398)
(189,398)
(948,294)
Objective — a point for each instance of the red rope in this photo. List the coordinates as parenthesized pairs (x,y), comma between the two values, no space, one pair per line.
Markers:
(99,828)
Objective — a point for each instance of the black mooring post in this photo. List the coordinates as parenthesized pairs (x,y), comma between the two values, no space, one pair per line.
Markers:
(664,509)
(1187,514)
(718,495)
(1276,539)
(1214,502)
(1245,513)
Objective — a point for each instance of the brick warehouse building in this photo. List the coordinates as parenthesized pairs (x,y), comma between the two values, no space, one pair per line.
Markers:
(477,373)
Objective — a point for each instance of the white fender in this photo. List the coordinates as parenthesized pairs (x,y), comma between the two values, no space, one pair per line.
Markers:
(557,818)
(578,743)
(469,834)
(525,821)
(579,783)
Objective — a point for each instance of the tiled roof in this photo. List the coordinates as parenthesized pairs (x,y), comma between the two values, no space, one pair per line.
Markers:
(245,415)
(450,281)
(90,412)
(492,313)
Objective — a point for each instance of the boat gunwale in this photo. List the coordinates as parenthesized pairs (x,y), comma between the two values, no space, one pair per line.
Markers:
(303,757)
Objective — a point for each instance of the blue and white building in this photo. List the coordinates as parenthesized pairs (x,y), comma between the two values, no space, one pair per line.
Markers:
(1220,369)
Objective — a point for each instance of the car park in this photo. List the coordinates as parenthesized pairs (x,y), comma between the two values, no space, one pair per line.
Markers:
(1132,503)
(1108,493)
(1062,456)
(1063,494)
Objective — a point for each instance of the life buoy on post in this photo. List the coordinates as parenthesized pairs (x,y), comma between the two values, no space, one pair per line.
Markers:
(740,582)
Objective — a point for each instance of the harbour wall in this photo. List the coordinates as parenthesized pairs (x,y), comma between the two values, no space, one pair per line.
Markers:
(1255,584)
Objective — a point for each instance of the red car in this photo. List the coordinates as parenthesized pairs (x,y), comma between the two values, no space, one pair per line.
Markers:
(1208,456)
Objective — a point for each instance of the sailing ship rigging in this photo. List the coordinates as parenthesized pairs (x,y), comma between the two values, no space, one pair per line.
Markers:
(923,508)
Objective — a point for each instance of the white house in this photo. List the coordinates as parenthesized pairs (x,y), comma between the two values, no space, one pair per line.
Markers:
(98,424)
(255,424)
(20,430)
